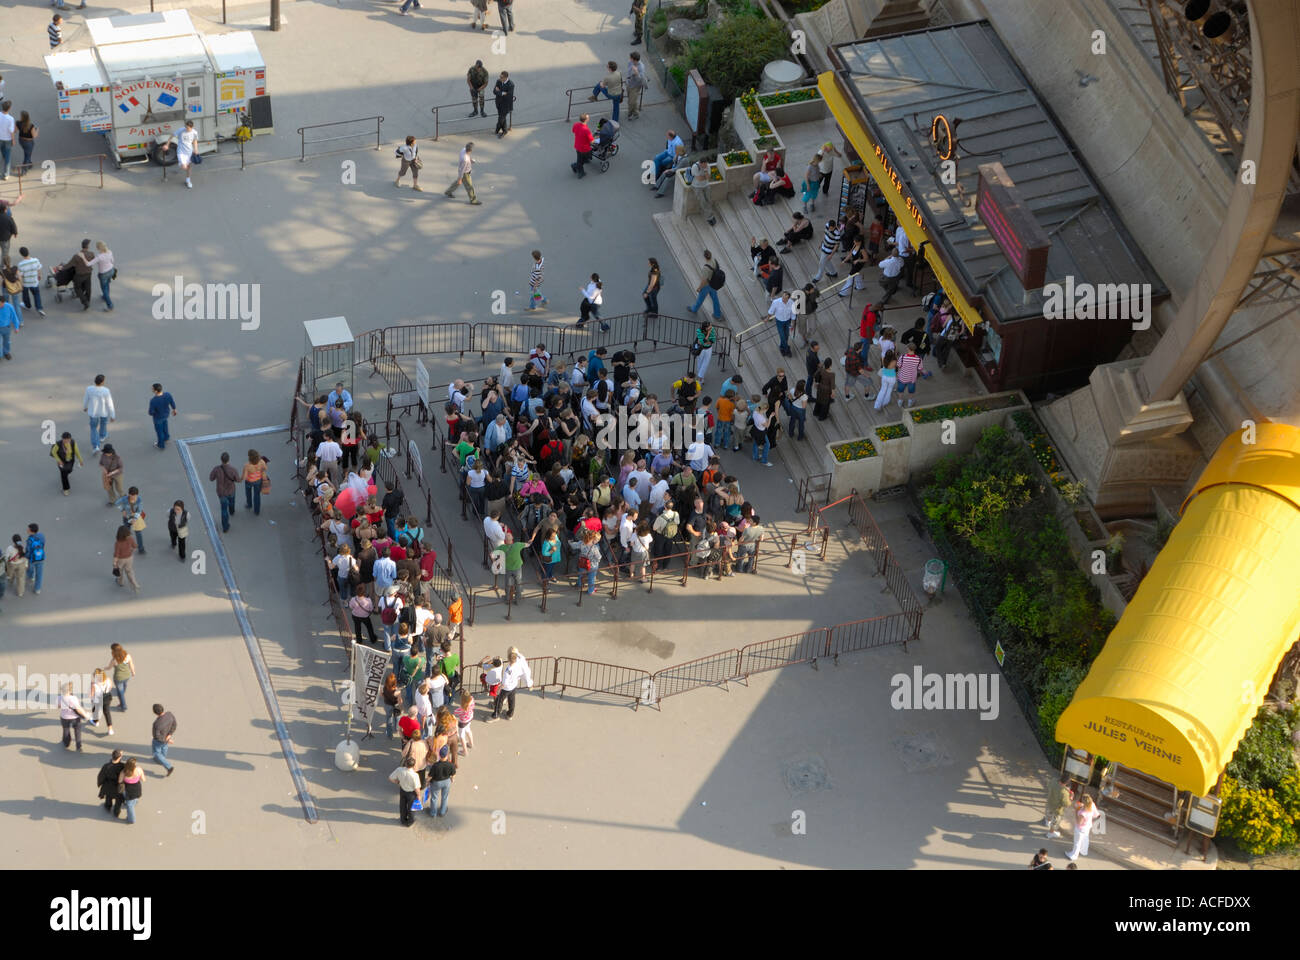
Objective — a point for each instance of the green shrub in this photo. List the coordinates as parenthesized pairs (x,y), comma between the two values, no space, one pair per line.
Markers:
(677,73)
(732,54)
(1056,694)
(1255,819)
(1263,758)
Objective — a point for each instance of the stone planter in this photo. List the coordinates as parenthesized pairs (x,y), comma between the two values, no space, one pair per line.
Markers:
(749,137)
(862,475)
(933,441)
(738,177)
(686,203)
(895,460)
(787,114)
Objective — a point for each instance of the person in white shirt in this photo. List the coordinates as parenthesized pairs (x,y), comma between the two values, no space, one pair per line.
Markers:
(71,713)
(644,479)
(406,155)
(328,454)
(459,394)
(578,375)
(98,403)
(657,494)
(758,433)
(186,148)
(589,411)
(627,533)
(514,672)
(891,269)
(493,530)
(698,454)
(7,129)
(29,272)
(344,564)
(104,271)
(903,247)
(783,310)
(506,377)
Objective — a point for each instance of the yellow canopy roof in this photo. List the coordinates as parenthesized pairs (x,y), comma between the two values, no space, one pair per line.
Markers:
(1185,670)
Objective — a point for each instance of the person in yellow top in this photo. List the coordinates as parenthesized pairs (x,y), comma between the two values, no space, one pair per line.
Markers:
(67,455)
(726,418)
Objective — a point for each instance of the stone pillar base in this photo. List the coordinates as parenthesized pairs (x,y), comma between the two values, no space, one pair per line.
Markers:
(1121,446)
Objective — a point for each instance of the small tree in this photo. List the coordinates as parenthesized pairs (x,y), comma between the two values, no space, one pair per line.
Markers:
(732,54)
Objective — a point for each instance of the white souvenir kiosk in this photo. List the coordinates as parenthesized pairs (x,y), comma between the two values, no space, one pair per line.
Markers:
(146,74)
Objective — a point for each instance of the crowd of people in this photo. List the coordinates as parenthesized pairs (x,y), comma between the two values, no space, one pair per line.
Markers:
(586,466)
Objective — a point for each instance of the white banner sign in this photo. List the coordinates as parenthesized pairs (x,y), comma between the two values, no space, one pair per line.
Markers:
(369,667)
(422,382)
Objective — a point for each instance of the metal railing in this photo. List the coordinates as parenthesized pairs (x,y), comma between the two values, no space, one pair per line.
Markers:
(22,172)
(752,336)
(438,121)
(302,133)
(589,107)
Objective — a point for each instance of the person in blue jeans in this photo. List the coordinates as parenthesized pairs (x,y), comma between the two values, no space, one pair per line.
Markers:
(161,406)
(226,476)
(611,87)
(440,774)
(590,552)
(706,288)
(253,473)
(35,556)
(164,727)
(10,320)
(130,782)
(132,507)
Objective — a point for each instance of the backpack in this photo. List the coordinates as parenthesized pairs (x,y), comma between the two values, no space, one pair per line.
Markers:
(669,527)
(718,279)
(36,547)
(388,610)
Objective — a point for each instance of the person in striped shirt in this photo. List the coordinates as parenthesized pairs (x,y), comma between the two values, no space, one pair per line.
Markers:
(535,281)
(910,367)
(55,30)
(29,272)
(830,241)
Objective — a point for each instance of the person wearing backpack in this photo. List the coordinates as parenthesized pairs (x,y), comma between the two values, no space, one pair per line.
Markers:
(35,557)
(712,279)
(665,530)
(390,608)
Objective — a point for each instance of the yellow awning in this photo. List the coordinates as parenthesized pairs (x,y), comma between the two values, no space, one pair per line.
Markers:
(895,192)
(1186,668)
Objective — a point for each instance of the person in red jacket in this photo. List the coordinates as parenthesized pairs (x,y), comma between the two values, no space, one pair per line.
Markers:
(582,137)
(867,331)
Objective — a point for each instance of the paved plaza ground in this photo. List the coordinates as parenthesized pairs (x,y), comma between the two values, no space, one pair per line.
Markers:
(714,779)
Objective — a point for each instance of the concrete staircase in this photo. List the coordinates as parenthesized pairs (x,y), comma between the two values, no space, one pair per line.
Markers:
(744,303)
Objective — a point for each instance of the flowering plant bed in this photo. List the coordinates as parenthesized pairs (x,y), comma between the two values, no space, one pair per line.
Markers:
(715,175)
(737,157)
(969,408)
(790,96)
(755,114)
(892,431)
(853,450)
(1041,447)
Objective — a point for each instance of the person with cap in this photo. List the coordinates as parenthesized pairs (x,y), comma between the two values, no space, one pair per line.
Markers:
(477,80)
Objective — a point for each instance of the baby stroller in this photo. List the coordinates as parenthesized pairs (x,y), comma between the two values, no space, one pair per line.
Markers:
(605,147)
(60,278)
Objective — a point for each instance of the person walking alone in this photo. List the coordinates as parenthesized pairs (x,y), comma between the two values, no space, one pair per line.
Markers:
(178,527)
(67,455)
(27,134)
(111,472)
(124,558)
(651,292)
(29,271)
(226,476)
(830,243)
(464,174)
(256,482)
(712,280)
(505,10)
(503,96)
(582,140)
(592,297)
(187,151)
(161,406)
(35,551)
(476,78)
(409,155)
(480,14)
(535,275)
(98,403)
(164,730)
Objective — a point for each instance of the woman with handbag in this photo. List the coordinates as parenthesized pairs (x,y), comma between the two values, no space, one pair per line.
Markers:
(101,698)
(409,154)
(124,559)
(589,559)
(133,515)
(256,481)
(106,271)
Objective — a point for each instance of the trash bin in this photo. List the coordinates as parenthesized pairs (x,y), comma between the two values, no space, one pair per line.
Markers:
(935,576)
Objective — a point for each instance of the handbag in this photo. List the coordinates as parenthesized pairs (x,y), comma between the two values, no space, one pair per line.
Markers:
(137,523)
(417,163)
(266,483)
(584,563)
(14,286)
(117,572)
(114,276)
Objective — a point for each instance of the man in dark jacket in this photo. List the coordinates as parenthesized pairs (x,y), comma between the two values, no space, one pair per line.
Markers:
(504,96)
(164,728)
(813,361)
(8,229)
(108,786)
(81,273)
